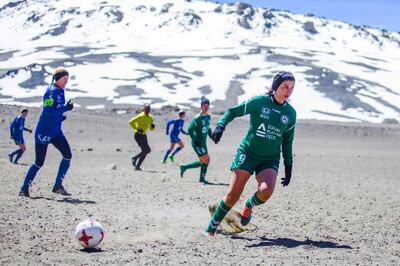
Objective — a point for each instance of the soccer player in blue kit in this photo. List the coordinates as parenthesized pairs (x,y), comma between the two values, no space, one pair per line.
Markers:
(174,136)
(17,128)
(48,130)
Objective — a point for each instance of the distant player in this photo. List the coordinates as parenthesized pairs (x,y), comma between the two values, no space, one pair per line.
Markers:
(174,136)
(48,131)
(17,128)
(272,122)
(141,123)
(198,130)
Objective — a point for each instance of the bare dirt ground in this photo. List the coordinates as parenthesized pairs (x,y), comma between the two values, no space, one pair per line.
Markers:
(342,206)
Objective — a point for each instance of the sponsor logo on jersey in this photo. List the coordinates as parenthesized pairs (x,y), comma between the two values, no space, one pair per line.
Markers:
(268,132)
(261,130)
(265,111)
(204,130)
(284,119)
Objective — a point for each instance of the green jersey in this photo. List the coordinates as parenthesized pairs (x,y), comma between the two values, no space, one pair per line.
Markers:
(199,128)
(271,127)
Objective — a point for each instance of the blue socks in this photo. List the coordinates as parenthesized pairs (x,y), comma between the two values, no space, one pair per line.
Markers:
(166,155)
(62,171)
(29,177)
(176,151)
(19,155)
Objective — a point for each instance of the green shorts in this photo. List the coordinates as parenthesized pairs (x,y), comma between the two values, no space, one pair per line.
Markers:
(251,165)
(200,150)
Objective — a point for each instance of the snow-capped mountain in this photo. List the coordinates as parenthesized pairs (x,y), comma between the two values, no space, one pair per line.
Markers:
(172,52)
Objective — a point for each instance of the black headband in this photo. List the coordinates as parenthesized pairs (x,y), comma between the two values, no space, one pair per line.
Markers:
(281,77)
(59,75)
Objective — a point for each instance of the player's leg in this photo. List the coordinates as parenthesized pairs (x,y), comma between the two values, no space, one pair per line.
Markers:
(144,145)
(178,149)
(200,151)
(266,184)
(238,181)
(205,161)
(61,144)
(40,156)
(22,149)
(167,152)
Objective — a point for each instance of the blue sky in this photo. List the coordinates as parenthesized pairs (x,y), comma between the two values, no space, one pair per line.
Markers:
(377,13)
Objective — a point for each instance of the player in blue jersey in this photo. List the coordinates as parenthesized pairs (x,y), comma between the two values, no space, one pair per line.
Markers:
(174,136)
(17,128)
(48,131)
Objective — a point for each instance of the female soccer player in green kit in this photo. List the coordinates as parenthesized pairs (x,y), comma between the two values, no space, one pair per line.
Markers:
(272,122)
(199,129)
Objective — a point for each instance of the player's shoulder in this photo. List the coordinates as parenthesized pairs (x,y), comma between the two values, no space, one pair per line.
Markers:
(290,109)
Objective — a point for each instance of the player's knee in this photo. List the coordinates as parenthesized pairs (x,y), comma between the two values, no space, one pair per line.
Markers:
(205,160)
(265,192)
(39,163)
(23,149)
(67,155)
(147,150)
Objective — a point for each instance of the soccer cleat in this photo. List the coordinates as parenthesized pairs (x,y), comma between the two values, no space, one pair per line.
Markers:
(246,215)
(61,190)
(171,157)
(134,159)
(138,168)
(163,162)
(182,169)
(10,157)
(24,193)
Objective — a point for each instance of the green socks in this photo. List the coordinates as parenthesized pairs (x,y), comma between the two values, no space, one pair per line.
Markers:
(219,214)
(203,171)
(195,164)
(253,201)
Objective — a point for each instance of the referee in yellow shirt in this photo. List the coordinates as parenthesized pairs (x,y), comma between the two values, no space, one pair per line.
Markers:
(141,123)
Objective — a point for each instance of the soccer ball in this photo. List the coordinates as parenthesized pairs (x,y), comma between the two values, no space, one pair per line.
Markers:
(89,233)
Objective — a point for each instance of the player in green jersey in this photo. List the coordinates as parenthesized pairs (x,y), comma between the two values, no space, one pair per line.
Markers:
(272,122)
(199,129)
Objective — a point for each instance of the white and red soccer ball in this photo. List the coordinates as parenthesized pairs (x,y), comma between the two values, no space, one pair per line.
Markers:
(89,233)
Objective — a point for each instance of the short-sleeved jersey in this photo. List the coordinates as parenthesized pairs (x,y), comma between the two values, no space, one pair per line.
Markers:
(199,128)
(271,127)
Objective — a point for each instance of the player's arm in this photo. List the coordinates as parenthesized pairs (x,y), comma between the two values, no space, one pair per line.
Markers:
(169,123)
(152,126)
(134,120)
(287,153)
(50,108)
(27,129)
(192,129)
(12,128)
(237,111)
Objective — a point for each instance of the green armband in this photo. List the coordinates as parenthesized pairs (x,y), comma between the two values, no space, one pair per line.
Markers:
(48,102)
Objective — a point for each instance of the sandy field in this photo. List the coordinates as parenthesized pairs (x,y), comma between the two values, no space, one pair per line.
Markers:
(341,208)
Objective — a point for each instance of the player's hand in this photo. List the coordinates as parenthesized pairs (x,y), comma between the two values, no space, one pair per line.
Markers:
(69,105)
(217,134)
(140,130)
(288,175)
(152,126)
(64,118)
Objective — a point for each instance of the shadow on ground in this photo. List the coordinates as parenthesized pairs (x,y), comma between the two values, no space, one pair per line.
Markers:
(291,243)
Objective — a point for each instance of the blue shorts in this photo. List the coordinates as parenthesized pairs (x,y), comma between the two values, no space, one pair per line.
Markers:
(174,139)
(19,141)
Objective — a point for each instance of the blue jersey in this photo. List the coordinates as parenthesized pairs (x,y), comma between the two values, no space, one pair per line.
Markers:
(178,127)
(50,120)
(17,127)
